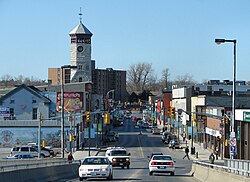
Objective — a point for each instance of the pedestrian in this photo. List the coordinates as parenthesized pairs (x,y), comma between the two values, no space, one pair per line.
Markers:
(184,138)
(211,158)
(186,153)
(70,157)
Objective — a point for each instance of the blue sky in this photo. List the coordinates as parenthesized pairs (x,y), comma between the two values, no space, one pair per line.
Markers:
(178,35)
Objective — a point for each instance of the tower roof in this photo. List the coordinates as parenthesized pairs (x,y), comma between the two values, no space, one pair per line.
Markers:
(80,29)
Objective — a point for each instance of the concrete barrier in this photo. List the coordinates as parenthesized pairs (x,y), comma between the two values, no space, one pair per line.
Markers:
(207,174)
(52,173)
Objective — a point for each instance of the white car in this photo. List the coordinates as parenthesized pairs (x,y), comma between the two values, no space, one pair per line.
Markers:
(161,164)
(95,167)
(118,156)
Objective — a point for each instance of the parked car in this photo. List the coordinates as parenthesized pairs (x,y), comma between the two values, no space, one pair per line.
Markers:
(174,144)
(112,137)
(95,167)
(156,131)
(48,149)
(21,156)
(161,164)
(166,137)
(28,150)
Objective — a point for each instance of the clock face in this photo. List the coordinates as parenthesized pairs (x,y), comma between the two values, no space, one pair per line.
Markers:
(79,48)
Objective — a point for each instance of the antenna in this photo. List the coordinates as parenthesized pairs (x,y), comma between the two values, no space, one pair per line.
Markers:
(80,14)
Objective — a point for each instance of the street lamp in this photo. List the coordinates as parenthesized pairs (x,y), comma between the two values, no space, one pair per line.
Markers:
(62,105)
(221,41)
(107,97)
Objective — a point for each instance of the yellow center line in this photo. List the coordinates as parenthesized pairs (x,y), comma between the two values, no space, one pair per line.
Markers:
(142,153)
(138,171)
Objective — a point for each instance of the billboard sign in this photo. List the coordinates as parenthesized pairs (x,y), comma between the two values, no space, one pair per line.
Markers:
(73,101)
(5,111)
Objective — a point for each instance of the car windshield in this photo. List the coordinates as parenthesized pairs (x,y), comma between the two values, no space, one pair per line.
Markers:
(162,158)
(118,152)
(95,161)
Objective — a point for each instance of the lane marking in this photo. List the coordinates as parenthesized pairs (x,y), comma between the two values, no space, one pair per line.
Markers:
(142,153)
(134,175)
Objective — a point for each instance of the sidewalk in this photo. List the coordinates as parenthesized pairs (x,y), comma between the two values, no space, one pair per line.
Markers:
(203,154)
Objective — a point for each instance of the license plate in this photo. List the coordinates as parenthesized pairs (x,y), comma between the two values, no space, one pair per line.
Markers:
(93,173)
(121,164)
(162,167)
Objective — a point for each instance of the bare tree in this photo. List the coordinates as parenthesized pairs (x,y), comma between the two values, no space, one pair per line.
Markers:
(9,81)
(165,77)
(186,79)
(139,76)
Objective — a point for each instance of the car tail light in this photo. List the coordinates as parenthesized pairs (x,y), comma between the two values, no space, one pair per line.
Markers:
(154,163)
(171,163)
(113,160)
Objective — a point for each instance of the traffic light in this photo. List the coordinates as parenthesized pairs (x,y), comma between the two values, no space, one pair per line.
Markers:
(106,118)
(69,117)
(88,117)
(226,120)
(172,112)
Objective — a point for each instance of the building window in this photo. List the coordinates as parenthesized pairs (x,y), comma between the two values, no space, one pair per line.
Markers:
(80,79)
(34,113)
(79,67)
(12,114)
(12,101)
(33,100)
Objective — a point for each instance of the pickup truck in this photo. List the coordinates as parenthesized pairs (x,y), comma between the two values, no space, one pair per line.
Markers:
(118,156)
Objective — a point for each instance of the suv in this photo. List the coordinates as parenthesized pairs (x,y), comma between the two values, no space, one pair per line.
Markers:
(28,149)
(118,156)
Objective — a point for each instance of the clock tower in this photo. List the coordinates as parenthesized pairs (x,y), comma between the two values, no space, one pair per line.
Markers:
(80,50)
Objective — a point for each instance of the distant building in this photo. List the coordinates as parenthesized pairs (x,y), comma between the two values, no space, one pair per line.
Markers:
(103,80)
(24,103)
(108,79)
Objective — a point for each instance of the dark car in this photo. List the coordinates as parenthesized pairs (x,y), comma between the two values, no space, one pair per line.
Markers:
(174,144)
(166,137)
(154,153)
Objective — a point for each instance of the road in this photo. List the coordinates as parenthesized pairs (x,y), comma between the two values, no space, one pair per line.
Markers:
(140,146)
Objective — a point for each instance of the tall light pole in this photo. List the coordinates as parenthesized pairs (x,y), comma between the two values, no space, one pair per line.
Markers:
(232,134)
(62,106)
(107,97)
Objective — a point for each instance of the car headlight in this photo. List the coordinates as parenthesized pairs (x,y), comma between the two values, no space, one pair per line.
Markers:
(113,160)
(104,169)
(127,160)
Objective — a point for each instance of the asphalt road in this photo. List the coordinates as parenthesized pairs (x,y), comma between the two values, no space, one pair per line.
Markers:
(140,146)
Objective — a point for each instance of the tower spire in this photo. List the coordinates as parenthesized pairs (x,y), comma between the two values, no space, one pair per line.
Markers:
(80,14)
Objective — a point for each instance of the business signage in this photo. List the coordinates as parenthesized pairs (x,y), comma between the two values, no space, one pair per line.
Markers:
(73,101)
(5,111)
(246,116)
(200,126)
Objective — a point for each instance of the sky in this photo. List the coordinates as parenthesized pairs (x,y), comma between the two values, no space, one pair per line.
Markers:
(174,34)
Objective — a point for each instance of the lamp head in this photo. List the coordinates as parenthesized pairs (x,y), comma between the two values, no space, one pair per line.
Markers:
(219,41)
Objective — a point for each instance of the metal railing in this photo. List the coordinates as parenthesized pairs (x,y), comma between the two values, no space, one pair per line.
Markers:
(230,169)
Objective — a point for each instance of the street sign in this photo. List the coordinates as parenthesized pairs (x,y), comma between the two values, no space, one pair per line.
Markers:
(233,142)
(232,150)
